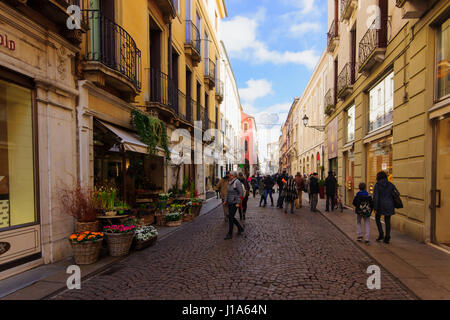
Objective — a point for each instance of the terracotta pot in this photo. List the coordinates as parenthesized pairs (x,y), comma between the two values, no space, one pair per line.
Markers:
(87,226)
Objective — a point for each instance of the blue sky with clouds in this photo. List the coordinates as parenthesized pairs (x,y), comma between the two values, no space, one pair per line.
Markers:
(274,46)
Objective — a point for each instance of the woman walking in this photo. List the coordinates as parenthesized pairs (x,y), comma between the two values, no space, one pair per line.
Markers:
(383,204)
(243,207)
(290,194)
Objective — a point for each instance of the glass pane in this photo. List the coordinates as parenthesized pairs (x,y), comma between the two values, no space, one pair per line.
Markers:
(17,206)
(381,103)
(379,158)
(443,60)
(351,124)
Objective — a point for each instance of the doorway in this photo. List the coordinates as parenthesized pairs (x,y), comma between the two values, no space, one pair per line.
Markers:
(441,199)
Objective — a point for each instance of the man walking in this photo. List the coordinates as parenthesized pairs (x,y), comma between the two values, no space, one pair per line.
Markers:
(314,190)
(222,187)
(330,189)
(254,183)
(282,179)
(234,193)
(268,189)
(243,207)
(300,186)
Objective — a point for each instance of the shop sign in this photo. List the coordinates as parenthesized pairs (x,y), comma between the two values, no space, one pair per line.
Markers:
(5,42)
(4,247)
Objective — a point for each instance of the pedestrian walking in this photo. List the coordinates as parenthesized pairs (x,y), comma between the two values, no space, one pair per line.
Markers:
(330,191)
(254,183)
(363,204)
(244,200)
(300,186)
(268,190)
(217,190)
(261,191)
(222,188)
(290,194)
(383,204)
(314,191)
(235,191)
(281,181)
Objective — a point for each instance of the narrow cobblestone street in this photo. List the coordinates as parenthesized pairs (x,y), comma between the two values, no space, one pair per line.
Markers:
(280,256)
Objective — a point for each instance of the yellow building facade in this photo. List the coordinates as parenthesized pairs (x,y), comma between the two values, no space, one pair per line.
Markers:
(388,107)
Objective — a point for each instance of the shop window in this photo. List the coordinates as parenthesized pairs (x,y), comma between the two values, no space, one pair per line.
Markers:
(443,60)
(379,158)
(381,103)
(17,200)
(351,124)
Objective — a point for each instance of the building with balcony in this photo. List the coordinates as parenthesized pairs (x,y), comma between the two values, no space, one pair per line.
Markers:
(390,108)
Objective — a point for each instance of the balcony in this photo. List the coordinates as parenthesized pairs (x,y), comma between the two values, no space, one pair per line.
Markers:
(329,102)
(168,9)
(347,9)
(372,47)
(193,44)
(346,79)
(333,37)
(210,73)
(413,9)
(190,103)
(111,58)
(219,91)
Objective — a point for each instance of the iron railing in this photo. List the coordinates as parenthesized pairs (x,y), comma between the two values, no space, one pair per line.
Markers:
(207,121)
(373,39)
(210,68)
(190,103)
(193,36)
(346,78)
(163,90)
(111,45)
(332,34)
(329,102)
(219,88)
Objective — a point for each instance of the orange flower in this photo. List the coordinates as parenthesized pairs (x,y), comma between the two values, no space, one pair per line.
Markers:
(73,237)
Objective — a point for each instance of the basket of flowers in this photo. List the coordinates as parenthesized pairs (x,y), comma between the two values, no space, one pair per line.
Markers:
(173,219)
(86,246)
(195,206)
(145,237)
(119,239)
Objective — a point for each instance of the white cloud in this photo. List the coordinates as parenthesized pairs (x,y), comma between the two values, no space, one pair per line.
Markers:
(303,28)
(240,37)
(255,89)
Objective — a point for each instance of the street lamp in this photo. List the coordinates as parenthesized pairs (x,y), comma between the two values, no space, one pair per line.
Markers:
(305,122)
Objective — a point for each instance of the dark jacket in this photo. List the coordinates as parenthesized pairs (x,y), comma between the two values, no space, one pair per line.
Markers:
(268,183)
(383,200)
(314,185)
(330,185)
(363,203)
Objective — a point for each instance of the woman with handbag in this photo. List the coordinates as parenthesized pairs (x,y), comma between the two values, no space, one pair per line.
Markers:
(384,193)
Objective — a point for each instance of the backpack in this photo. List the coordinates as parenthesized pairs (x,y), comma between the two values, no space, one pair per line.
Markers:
(364,209)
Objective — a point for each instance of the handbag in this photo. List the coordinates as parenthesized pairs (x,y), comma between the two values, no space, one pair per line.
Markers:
(398,204)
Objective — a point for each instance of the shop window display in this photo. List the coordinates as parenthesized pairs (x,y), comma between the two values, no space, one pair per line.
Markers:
(17,199)
(443,60)
(379,158)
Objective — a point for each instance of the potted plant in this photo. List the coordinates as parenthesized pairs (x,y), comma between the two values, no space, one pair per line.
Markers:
(195,206)
(322,189)
(145,237)
(119,239)
(107,199)
(173,219)
(81,204)
(86,246)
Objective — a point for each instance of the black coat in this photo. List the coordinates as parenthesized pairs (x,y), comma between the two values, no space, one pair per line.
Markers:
(314,185)
(383,200)
(330,185)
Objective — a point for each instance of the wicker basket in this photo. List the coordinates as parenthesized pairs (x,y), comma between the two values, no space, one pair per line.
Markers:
(87,226)
(160,220)
(119,244)
(174,223)
(140,245)
(146,220)
(188,217)
(86,253)
(196,210)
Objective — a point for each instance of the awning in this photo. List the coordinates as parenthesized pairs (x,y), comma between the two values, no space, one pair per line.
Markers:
(129,140)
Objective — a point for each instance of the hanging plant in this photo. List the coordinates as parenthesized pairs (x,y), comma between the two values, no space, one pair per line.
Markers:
(152,132)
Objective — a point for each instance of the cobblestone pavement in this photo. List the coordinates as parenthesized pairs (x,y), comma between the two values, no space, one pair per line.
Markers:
(280,256)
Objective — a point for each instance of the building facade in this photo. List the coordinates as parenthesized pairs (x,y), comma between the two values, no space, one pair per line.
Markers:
(387,109)
(250,144)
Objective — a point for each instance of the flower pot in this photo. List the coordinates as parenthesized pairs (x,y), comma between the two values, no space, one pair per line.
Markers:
(160,220)
(146,220)
(87,252)
(140,245)
(188,217)
(174,223)
(87,226)
(196,210)
(119,244)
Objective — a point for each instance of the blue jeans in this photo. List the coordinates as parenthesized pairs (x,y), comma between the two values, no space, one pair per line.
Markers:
(268,192)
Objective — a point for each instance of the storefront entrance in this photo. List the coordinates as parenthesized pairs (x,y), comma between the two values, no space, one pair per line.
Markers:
(349,160)
(442,193)
(379,158)
(19,223)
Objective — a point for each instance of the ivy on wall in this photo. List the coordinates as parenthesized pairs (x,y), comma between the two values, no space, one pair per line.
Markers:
(152,132)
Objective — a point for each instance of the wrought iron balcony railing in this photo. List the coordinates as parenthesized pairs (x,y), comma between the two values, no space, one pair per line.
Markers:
(193,38)
(329,102)
(346,79)
(219,90)
(347,8)
(112,46)
(210,68)
(163,90)
(373,45)
(332,36)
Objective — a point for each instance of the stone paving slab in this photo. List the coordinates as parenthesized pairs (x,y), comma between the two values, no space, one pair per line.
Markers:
(280,256)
